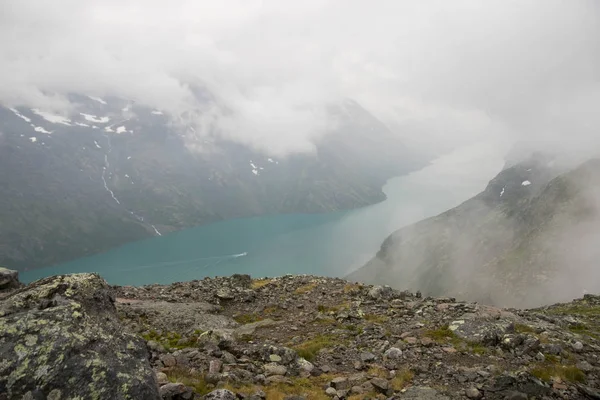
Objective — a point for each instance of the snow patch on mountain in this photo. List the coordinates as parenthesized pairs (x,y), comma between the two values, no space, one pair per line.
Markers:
(40,129)
(93,118)
(18,114)
(98,99)
(33,139)
(156,112)
(55,119)
(121,129)
(526,183)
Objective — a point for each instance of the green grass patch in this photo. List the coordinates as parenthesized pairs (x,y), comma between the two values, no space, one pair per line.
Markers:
(247,318)
(402,379)
(306,288)
(189,378)
(376,319)
(522,328)
(548,371)
(442,334)
(170,340)
(309,349)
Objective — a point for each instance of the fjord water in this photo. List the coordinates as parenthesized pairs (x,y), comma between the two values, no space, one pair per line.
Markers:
(329,244)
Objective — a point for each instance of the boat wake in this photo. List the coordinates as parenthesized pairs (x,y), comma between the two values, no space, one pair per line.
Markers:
(212,261)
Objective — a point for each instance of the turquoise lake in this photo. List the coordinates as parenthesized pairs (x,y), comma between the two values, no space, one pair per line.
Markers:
(330,244)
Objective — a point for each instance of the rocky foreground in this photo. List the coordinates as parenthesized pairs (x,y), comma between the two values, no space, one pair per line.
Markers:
(294,337)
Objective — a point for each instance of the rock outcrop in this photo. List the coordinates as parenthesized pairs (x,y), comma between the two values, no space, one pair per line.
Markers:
(9,279)
(60,338)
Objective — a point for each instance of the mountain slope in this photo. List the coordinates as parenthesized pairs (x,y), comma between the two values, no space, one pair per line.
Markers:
(527,235)
(112,172)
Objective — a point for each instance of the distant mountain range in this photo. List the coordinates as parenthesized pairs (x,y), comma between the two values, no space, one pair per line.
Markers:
(530,238)
(112,172)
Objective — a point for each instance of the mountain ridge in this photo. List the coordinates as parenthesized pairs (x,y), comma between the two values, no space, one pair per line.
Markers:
(113,172)
(501,246)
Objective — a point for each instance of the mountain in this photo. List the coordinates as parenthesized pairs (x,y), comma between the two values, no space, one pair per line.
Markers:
(529,238)
(112,172)
(287,338)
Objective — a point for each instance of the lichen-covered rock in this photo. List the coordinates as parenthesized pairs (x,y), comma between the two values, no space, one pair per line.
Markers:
(220,394)
(9,279)
(60,337)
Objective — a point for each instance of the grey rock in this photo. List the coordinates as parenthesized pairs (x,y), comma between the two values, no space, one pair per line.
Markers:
(225,294)
(80,320)
(305,365)
(228,358)
(249,329)
(377,292)
(275,358)
(161,378)
(366,356)
(577,346)
(340,383)
(175,391)
(473,393)
(278,379)
(9,279)
(585,366)
(380,384)
(220,394)
(168,360)
(275,369)
(330,392)
(423,393)
(393,353)
(514,395)
(214,367)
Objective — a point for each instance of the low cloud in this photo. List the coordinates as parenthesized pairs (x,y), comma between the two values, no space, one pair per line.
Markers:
(261,72)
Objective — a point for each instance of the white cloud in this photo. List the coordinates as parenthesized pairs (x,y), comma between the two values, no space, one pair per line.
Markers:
(448,72)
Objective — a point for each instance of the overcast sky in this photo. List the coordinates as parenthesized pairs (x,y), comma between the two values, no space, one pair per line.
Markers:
(438,72)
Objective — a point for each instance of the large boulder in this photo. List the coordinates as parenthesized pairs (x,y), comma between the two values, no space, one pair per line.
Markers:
(9,279)
(60,337)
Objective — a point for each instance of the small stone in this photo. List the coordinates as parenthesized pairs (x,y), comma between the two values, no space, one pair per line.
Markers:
(162,378)
(215,366)
(584,366)
(427,341)
(540,357)
(473,393)
(366,356)
(275,358)
(274,369)
(278,379)
(449,350)
(357,390)
(220,394)
(411,340)
(559,386)
(305,365)
(577,346)
(175,390)
(225,294)
(380,384)
(393,353)
(168,360)
(515,396)
(340,383)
